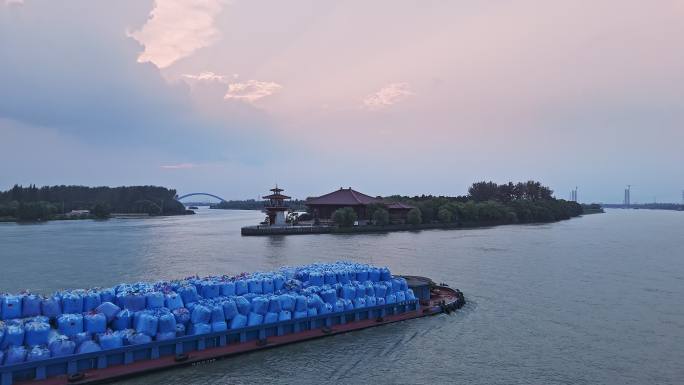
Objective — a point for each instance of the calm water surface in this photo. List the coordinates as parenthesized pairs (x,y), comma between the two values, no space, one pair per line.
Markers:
(593,300)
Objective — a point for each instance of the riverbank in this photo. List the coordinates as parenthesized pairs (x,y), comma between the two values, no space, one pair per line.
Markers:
(299,230)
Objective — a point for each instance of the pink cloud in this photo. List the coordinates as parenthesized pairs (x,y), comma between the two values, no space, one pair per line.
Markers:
(388,95)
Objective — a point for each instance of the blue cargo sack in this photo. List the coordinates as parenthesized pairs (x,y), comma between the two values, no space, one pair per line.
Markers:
(217,313)
(200,328)
(241,287)
(210,289)
(243,305)
(401,297)
(72,303)
(80,337)
(325,309)
(348,304)
(380,290)
(132,301)
(359,303)
(221,326)
(109,310)
(284,315)
(61,346)
(180,330)
(51,307)
(255,285)
(255,319)
(95,323)
(154,300)
(391,299)
(108,295)
(315,301)
(260,305)
(339,306)
(374,275)
(165,336)
(274,304)
(380,300)
(270,318)
(188,293)
(182,316)
(312,312)
(227,289)
(360,291)
(370,289)
(348,292)
(300,304)
(89,346)
(301,314)
(396,285)
(410,295)
(2,336)
(403,284)
(15,355)
(167,323)
(287,302)
(200,314)
(122,320)
(38,353)
(146,323)
(11,307)
(30,305)
(329,296)
(370,301)
(239,321)
(385,274)
(278,282)
(14,336)
(37,333)
(229,309)
(91,300)
(173,301)
(362,275)
(268,286)
(139,338)
(2,357)
(110,341)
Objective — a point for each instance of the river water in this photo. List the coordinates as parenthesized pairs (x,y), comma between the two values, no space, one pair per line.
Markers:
(592,300)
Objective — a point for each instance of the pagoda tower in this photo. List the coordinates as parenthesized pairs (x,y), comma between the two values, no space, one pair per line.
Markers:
(276,207)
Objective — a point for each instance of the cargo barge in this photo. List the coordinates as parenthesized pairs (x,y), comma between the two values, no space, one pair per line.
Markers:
(107,365)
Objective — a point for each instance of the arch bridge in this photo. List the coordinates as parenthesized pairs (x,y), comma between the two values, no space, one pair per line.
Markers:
(178,198)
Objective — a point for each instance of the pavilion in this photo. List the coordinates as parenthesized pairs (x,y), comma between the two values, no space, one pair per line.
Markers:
(323,207)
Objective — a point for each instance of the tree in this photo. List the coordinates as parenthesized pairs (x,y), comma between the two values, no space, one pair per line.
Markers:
(444,215)
(483,191)
(380,217)
(101,211)
(414,217)
(344,217)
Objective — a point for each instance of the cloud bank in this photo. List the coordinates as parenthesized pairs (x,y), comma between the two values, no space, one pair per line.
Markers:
(177,28)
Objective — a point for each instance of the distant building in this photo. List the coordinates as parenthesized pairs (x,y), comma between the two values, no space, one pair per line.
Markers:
(77,213)
(276,209)
(323,207)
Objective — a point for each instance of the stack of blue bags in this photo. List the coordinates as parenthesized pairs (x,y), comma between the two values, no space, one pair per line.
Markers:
(83,321)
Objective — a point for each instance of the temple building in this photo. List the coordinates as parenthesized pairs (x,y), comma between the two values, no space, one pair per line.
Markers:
(323,207)
(276,209)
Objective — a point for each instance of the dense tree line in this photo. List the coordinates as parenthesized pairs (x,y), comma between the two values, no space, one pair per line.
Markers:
(40,203)
(488,202)
(253,204)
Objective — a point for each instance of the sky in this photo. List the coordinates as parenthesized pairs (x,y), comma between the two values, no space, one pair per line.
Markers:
(386,96)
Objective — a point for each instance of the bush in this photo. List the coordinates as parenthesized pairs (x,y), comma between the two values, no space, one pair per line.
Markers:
(344,217)
(444,215)
(100,211)
(414,217)
(381,217)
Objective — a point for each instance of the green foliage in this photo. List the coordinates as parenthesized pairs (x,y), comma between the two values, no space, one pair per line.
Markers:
(414,217)
(380,217)
(35,211)
(344,217)
(373,207)
(63,199)
(101,210)
(445,215)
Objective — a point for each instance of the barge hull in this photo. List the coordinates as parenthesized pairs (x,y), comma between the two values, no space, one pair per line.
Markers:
(132,360)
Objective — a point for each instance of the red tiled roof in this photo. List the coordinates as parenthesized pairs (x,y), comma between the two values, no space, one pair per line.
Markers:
(398,206)
(343,197)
